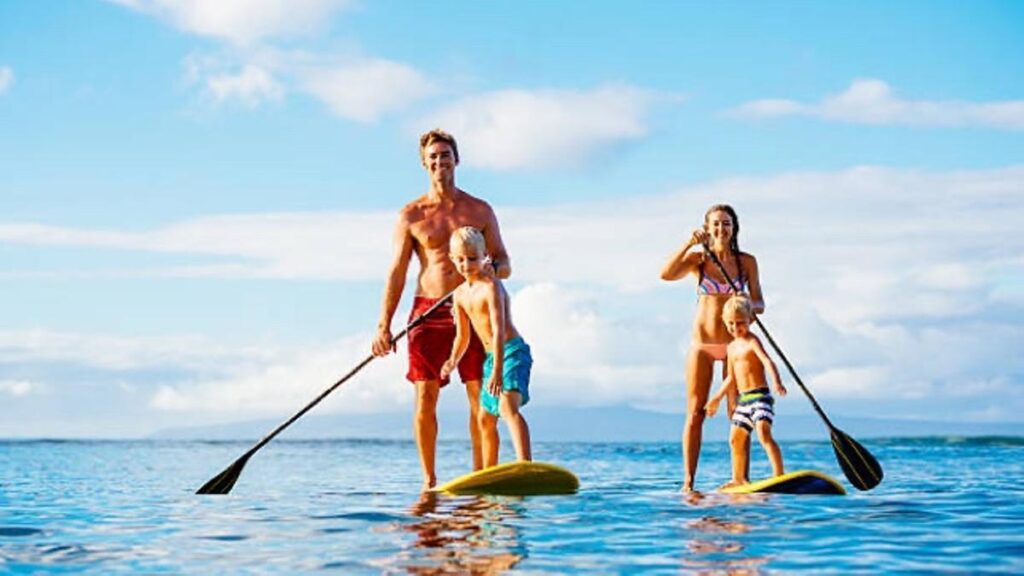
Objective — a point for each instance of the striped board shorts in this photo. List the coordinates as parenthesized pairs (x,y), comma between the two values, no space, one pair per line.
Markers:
(754,406)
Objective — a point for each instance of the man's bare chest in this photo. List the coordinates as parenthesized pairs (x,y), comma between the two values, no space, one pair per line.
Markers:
(433,231)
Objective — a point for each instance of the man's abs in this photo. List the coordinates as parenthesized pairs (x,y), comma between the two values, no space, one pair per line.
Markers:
(437,277)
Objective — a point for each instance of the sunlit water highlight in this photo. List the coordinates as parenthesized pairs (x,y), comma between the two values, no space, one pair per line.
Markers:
(351,507)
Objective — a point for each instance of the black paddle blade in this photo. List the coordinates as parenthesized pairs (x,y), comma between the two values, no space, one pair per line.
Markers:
(223,483)
(860,467)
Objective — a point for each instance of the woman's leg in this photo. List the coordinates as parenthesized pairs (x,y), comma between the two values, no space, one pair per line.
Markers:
(699,368)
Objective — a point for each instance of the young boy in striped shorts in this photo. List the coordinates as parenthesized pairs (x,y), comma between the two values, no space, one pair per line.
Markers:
(747,362)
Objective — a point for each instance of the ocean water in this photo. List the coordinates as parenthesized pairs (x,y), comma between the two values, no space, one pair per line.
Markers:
(351,507)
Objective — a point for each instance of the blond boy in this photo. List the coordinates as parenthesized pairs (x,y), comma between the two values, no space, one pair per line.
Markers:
(481,302)
(747,362)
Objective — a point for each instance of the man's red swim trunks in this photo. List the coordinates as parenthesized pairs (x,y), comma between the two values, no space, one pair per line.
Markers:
(430,344)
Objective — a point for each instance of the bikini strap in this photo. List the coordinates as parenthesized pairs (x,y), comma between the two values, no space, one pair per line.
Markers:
(741,275)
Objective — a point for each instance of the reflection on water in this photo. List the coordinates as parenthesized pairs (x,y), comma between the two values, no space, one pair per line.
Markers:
(714,546)
(466,535)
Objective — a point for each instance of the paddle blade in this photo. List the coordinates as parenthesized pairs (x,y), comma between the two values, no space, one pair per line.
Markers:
(860,467)
(223,483)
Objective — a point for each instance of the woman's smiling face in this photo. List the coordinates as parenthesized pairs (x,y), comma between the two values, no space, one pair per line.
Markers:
(719,226)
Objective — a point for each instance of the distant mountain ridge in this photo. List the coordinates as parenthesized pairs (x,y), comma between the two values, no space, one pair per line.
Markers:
(598,424)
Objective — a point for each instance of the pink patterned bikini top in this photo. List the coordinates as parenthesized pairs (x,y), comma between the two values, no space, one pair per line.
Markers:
(708,285)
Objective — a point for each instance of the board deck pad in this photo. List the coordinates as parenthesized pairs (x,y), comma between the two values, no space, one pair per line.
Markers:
(799,482)
(515,479)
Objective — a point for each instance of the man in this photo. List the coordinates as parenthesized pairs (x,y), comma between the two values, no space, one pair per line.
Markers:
(424,227)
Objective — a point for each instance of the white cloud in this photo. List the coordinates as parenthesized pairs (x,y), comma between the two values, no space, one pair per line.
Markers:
(242,21)
(6,78)
(353,86)
(512,129)
(882,285)
(584,356)
(266,246)
(125,353)
(16,388)
(251,86)
(870,101)
(866,382)
(292,381)
(581,356)
(366,89)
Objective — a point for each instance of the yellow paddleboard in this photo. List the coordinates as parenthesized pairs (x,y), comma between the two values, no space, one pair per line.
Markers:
(799,482)
(515,478)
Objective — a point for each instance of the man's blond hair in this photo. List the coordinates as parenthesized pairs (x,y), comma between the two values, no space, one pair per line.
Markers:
(438,135)
(470,237)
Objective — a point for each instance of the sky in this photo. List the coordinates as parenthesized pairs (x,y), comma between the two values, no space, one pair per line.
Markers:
(197,197)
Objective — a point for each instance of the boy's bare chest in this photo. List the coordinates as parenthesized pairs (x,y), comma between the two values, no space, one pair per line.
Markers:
(743,356)
(477,305)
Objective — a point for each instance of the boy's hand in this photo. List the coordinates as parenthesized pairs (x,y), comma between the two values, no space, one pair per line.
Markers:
(780,389)
(494,385)
(447,368)
(712,406)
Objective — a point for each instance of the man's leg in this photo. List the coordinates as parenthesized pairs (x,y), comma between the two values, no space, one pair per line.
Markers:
(473,395)
(425,428)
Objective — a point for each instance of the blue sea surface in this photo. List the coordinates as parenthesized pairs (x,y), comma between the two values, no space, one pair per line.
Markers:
(344,506)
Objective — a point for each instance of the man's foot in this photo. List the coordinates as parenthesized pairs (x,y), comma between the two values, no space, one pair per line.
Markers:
(687,487)
(428,484)
(733,484)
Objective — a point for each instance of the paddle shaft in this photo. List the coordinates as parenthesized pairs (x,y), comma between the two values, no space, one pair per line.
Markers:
(789,366)
(280,428)
(860,467)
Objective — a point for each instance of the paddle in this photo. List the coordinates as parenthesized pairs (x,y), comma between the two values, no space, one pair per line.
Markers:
(860,467)
(223,482)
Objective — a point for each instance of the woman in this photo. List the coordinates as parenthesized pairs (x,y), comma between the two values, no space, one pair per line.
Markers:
(710,338)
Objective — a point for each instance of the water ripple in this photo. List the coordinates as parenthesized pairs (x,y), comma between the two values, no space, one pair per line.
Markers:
(304,507)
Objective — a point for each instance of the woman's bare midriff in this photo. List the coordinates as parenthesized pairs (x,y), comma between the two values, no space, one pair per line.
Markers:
(708,327)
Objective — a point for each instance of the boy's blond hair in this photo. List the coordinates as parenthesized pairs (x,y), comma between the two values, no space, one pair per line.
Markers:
(438,135)
(738,307)
(467,236)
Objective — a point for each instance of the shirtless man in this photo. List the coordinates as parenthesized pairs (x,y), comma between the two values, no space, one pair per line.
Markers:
(424,227)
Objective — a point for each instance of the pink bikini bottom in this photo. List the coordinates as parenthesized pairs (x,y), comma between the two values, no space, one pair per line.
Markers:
(716,351)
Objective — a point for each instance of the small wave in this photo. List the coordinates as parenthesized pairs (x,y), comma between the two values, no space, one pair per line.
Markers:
(952,439)
(19,531)
(226,537)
